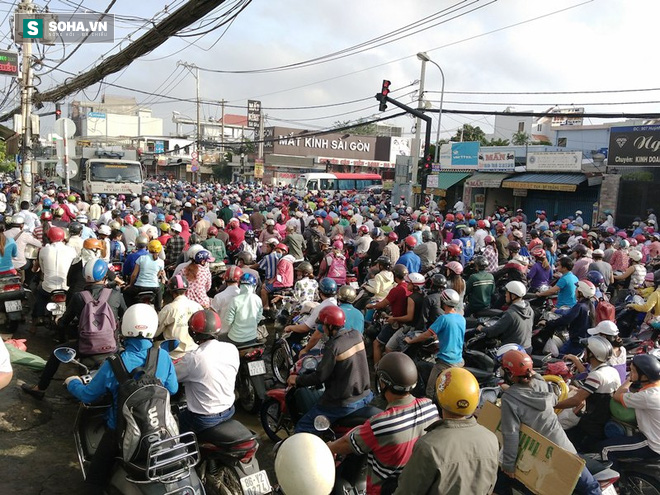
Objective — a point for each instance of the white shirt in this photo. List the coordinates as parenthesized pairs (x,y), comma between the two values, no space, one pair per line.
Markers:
(459,206)
(55,260)
(209,373)
(5,363)
(313,316)
(31,220)
(646,403)
(22,241)
(479,243)
(220,303)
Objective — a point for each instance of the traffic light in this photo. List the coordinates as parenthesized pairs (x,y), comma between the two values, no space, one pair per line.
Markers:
(58,111)
(425,167)
(384,91)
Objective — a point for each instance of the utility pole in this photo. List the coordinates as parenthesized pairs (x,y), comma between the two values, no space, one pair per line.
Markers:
(222,128)
(418,125)
(199,128)
(26,7)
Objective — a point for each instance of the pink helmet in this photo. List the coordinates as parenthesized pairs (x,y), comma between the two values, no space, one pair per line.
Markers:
(455,267)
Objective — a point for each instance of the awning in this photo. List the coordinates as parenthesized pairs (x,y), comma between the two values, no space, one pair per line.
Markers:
(545,182)
(486,180)
(448,179)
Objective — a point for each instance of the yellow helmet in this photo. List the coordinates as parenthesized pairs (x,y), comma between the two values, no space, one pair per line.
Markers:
(458,391)
(155,246)
(164,227)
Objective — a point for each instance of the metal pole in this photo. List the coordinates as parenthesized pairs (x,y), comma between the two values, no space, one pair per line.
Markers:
(418,125)
(65,140)
(442,98)
(199,127)
(26,110)
(222,127)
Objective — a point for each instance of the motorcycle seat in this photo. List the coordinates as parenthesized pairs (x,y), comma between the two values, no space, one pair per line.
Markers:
(226,434)
(250,345)
(358,417)
(479,374)
(489,312)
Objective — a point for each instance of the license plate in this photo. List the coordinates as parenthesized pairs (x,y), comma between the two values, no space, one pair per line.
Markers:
(12,306)
(256,484)
(59,310)
(257,368)
(610,490)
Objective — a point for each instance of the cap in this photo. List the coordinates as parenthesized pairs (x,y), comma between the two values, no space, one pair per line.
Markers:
(273,241)
(605,327)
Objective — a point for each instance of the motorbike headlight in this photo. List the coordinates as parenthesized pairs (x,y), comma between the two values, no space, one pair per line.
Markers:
(309,364)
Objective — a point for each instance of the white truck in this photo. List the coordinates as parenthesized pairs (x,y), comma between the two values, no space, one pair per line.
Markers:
(103,171)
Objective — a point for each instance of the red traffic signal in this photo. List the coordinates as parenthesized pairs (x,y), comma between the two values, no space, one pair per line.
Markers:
(58,111)
(382,96)
(385,89)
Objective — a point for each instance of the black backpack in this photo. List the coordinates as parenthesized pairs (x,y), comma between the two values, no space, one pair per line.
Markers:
(143,408)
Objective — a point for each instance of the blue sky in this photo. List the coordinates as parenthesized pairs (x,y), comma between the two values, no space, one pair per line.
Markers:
(592,45)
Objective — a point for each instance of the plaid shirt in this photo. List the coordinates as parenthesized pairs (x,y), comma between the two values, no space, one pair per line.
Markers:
(491,255)
(174,248)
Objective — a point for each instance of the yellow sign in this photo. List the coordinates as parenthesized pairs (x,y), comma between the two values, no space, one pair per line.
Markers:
(540,186)
(430,190)
(258,169)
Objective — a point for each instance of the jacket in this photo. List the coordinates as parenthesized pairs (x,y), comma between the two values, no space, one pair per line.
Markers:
(104,381)
(578,320)
(173,324)
(455,457)
(381,284)
(515,326)
(533,406)
(243,315)
(343,370)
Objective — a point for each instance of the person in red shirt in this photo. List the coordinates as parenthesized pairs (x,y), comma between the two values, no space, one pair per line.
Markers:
(165,233)
(236,234)
(397,300)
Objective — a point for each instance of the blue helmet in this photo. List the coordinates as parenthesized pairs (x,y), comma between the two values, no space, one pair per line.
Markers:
(328,287)
(95,270)
(160,217)
(595,277)
(47,203)
(472,222)
(202,256)
(248,279)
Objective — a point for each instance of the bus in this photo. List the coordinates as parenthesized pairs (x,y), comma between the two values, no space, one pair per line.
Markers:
(107,173)
(338,182)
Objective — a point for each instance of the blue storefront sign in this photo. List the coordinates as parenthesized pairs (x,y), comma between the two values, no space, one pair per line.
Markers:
(465,155)
(159,147)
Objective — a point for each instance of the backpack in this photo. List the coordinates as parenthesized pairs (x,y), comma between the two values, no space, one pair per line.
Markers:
(97,325)
(605,311)
(143,408)
(336,269)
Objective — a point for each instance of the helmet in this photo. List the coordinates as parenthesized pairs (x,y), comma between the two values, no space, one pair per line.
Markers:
(141,241)
(233,274)
(328,287)
(248,279)
(392,236)
(75,228)
(332,315)
(71,198)
(363,229)
(502,350)
(213,231)
(513,246)
(640,238)
(439,281)
(417,279)
(347,294)
(95,270)
(427,236)
(410,241)
(282,247)
(600,347)
(595,277)
(139,320)
(59,212)
(155,246)
(449,217)
(635,255)
(647,365)
(17,220)
(489,239)
(454,250)
(205,322)
(455,267)
(624,244)
(450,297)
(46,215)
(458,391)
(480,262)
(376,232)
(304,449)
(203,256)
(586,288)
(93,244)
(47,203)
(517,363)
(384,261)
(104,230)
(399,271)
(177,283)
(398,372)
(246,257)
(580,249)
(305,268)
(516,288)
(55,234)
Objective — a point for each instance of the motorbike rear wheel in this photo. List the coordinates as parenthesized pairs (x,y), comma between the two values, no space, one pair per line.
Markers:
(640,484)
(280,362)
(223,481)
(247,393)
(273,420)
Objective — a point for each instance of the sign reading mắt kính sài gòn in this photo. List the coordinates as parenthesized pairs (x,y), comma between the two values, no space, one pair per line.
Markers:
(634,146)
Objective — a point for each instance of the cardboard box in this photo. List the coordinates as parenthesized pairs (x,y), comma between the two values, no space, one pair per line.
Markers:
(542,466)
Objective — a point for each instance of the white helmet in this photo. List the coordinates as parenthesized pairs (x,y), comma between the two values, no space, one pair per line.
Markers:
(305,449)
(17,220)
(516,288)
(600,347)
(82,218)
(104,230)
(586,288)
(416,279)
(140,320)
(450,297)
(193,250)
(635,255)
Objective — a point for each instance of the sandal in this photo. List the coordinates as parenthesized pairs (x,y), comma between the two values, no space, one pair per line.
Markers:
(34,392)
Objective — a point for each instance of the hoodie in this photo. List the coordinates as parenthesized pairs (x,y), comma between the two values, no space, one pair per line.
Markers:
(244,314)
(515,326)
(531,404)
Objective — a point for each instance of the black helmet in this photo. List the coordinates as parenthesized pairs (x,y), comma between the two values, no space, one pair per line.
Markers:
(385,261)
(75,228)
(249,235)
(205,322)
(534,233)
(580,249)
(427,236)
(656,277)
(439,281)
(398,372)
(246,257)
(481,262)
(313,223)
(399,271)
(305,267)
(548,242)
(177,283)
(647,365)
(513,246)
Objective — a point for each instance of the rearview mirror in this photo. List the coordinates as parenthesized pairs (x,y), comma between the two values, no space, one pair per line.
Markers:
(321,423)
(65,354)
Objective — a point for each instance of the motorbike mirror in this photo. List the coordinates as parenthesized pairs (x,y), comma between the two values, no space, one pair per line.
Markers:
(169,345)
(321,423)
(65,354)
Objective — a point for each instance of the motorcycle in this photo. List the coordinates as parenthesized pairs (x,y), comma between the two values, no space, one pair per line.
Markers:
(12,294)
(250,380)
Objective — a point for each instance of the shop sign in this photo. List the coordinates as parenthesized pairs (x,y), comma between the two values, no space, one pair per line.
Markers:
(635,146)
(8,63)
(258,169)
(520,192)
(503,160)
(432,181)
(356,162)
(484,182)
(541,186)
(561,161)
(254,113)
(463,155)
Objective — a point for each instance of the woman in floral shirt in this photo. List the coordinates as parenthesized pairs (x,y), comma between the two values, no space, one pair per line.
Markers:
(199,278)
(619,259)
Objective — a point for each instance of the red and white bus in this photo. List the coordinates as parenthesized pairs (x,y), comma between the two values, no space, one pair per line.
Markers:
(338,182)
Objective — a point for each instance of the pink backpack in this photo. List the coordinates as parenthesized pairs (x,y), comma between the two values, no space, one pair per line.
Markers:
(97,325)
(336,269)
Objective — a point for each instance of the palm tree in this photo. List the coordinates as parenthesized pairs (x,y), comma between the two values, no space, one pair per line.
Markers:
(520,138)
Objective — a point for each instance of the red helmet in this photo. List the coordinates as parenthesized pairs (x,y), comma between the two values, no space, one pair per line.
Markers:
(640,238)
(481,224)
(129,219)
(205,322)
(499,226)
(46,215)
(282,247)
(392,236)
(454,250)
(55,234)
(449,217)
(423,219)
(332,315)
(363,229)
(233,274)
(411,241)
(517,363)
(489,239)
(460,216)
(213,231)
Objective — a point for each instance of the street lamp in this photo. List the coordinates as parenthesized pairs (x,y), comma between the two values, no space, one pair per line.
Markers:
(425,58)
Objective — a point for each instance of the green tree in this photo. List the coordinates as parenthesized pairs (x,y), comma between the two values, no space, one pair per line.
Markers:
(362,130)
(499,142)
(7,162)
(470,133)
(520,138)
